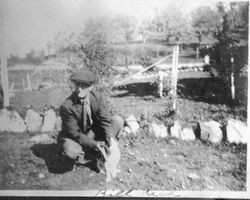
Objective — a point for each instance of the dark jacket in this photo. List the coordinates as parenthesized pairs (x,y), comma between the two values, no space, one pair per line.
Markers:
(72,123)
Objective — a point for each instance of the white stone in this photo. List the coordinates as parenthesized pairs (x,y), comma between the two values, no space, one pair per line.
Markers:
(135,67)
(126,130)
(23,181)
(207,59)
(193,176)
(11,121)
(58,126)
(42,139)
(33,121)
(49,121)
(187,134)
(236,131)
(41,175)
(44,85)
(211,131)
(4,120)
(133,124)
(16,123)
(158,130)
(176,130)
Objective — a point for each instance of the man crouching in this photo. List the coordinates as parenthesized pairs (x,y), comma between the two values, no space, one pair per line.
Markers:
(87,126)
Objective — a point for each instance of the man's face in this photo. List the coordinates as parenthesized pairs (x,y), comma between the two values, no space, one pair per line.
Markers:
(82,90)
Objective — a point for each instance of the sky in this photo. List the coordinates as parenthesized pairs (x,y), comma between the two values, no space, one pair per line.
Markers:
(31,24)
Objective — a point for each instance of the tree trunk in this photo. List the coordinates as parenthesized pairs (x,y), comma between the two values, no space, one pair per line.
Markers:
(160,85)
(28,82)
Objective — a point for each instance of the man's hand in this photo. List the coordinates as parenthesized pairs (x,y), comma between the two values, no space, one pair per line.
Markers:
(86,141)
(107,141)
(99,146)
(103,149)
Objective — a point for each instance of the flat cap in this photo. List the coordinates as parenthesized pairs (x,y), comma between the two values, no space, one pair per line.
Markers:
(84,76)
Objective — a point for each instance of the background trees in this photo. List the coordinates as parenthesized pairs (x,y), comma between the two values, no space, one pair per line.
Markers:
(105,40)
(124,27)
(229,55)
(92,46)
(205,22)
(172,24)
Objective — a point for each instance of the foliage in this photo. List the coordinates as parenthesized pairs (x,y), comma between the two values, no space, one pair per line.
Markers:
(229,56)
(35,57)
(235,18)
(145,61)
(234,27)
(205,21)
(144,30)
(124,28)
(91,48)
(223,51)
(172,24)
(32,57)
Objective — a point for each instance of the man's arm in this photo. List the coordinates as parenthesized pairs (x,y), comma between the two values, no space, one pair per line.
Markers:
(71,127)
(105,120)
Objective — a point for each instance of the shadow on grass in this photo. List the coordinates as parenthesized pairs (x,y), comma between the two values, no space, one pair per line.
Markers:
(136,89)
(209,90)
(57,164)
(214,90)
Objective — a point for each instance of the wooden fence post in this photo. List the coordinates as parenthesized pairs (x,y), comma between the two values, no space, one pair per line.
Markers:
(3,54)
(174,75)
(160,84)
(28,82)
(197,52)
(232,79)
